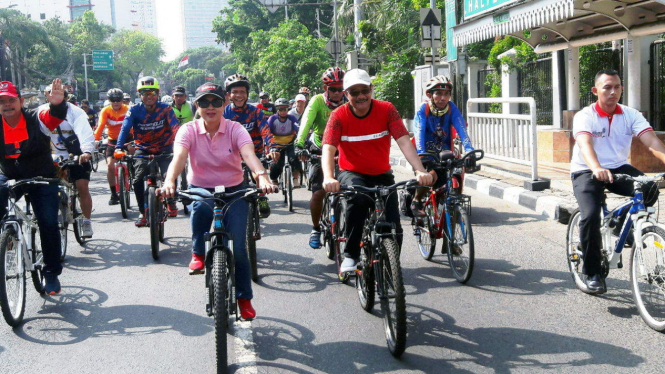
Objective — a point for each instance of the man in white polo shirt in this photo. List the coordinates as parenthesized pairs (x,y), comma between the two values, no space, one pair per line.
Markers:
(603,133)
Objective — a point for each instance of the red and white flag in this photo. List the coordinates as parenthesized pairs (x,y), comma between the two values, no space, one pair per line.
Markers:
(184,61)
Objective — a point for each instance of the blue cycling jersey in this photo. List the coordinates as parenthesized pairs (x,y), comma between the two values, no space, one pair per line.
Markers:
(433,134)
(153,132)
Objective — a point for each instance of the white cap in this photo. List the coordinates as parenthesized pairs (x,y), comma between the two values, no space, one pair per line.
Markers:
(301,97)
(356,76)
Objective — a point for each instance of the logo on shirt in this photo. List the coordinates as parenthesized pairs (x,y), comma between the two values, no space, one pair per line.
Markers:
(598,134)
(249,126)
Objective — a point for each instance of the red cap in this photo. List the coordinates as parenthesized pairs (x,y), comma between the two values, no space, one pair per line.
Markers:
(8,89)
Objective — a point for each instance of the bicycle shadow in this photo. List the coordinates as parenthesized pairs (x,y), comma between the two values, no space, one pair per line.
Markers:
(78,314)
(282,230)
(292,273)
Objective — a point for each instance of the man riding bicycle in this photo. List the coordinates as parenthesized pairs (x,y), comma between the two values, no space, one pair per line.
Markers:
(361,131)
(265,105)
(284,128)
(299,107)
(154,125)
(315,118)
(603,134)
(92,113)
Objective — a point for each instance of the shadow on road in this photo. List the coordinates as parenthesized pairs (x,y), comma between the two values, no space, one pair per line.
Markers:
(482,216)
(292,273)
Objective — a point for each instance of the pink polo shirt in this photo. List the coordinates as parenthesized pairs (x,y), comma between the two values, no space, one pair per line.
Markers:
(214,162)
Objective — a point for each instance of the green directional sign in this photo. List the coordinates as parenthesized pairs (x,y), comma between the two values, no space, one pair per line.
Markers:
(102,60)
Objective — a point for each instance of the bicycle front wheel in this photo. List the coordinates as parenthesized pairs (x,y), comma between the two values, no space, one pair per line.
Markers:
(393,297)
(12,278)
(94,162)
(162,218)
(647,277)
(251,240)
(153,222)
(122,194)
(37,262)
(63,222)
(365,282)
(326,230)
(77,219)
(288,180)
(426,236)
(220,308)
(340,242)
(461,246)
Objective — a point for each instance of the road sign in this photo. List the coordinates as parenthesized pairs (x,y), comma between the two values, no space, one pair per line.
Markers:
(334,47)
(428,59)
(430,24)
(102,60)
(272,5)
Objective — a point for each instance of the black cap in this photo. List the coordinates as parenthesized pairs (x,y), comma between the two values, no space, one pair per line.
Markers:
(210,89)
(179,90)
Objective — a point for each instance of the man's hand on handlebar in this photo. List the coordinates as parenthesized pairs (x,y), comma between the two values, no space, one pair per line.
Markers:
(424,178)
(273,155)
(266,185)
(168,190)
(603,175)
(84,158)
(331,185)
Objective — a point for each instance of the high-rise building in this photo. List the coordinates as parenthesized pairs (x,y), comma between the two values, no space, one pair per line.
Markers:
(197,16)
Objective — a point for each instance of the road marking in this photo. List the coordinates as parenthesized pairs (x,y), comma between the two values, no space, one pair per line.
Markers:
(244,344)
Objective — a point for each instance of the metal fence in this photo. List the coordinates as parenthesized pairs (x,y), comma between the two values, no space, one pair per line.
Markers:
(599,59)
(484,88)
(535,80)
(507,137)
(657,86)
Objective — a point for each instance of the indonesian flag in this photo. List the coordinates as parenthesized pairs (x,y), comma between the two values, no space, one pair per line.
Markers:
(184,61)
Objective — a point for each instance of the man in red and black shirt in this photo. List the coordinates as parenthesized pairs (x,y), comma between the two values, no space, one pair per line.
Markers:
(26,153)
(361,130)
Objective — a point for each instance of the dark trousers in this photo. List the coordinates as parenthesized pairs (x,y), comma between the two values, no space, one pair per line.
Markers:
(287,152)
(359,205)
(141,169)
(44,202)
(589,193)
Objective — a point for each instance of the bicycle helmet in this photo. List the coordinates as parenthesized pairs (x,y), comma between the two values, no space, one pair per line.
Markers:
(114,94)
(281,102)
(304,90)
(167,99)
(126,96)
(264,95)
(333,76)
(147,83)
(439,82)
(236,80)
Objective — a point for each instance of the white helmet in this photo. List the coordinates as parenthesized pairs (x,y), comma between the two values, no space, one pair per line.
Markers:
(167,99)
(438,82)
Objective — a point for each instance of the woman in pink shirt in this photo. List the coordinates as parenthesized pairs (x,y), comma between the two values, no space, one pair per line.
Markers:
(214,146)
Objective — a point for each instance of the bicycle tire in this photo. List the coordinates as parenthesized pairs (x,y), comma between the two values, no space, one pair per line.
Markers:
(37,257)
(326,230)
(94,162)
(11,303)
(76,212)
(288,180)
(340,242)
(251,241)
(162,218)
(365,282)
(392,288)
(220,308)
(427,237)
(650,258)
(62,225)
(574,255)
(121,192)
(153,219)
(461,250)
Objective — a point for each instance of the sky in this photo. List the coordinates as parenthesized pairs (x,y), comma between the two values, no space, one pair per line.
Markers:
(169,27)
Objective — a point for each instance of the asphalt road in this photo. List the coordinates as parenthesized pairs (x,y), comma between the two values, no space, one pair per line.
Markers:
(122,312)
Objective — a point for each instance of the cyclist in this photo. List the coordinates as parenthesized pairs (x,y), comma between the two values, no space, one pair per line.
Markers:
(206,141)
(127,100)
(299,107)
(362,129)
(154,124)
(184,110)
(305,92)
(76,124)
(284,128)
(91,112)
(315,118)
(254,121)
(26,153)
(433,126)
(265,105)
(603,134)
(111,119)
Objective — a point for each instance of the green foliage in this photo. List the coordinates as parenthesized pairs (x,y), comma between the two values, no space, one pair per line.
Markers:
(190,79)
(135,52)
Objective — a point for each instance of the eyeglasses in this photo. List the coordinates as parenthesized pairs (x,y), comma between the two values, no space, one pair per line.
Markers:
(217,103)
(283,108)
(335,89)
(148,93)
(115,100)
(364,91)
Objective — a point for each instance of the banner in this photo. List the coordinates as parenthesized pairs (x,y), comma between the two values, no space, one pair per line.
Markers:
(184,61)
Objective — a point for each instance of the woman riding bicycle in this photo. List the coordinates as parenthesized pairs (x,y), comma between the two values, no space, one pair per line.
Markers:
(214,146)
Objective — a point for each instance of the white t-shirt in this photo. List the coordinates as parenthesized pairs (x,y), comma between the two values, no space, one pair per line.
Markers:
(612,135)
(77,124)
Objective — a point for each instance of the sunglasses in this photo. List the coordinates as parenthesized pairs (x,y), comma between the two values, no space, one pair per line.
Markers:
(148,93)
(115,100)
(282,109)
(217,103)
(364,91)
(335,89)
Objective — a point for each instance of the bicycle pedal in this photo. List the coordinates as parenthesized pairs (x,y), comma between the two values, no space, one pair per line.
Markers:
(196,272)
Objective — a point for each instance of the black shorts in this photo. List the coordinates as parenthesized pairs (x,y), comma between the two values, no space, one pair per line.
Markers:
(110,148)
(82,171)
(315,176)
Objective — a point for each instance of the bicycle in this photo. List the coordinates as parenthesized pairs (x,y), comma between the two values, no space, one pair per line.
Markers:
(70,212)
(285,181)
(647,262)
(379,269)
(253,225)
(20,253)
(124,173)
(332,223)
(220,265)
(447,217)
(95,157)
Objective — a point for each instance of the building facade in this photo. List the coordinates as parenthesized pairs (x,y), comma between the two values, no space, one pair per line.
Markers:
(197,16)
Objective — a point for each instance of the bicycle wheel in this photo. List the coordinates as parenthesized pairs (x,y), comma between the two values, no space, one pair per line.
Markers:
(365,282)
(251,241)
(220,308)
(288,181)
(63,222)
(393,297)
(340,243)
(77,219)
(94,161)
(124,206)
(38,262)
(647,277)
(426,237)
(326,230)
(162,217)
(461,247)
(153,222)
(12,278)
(574,251)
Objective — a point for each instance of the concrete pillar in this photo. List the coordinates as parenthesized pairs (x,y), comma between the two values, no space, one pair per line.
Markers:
(509,86)
(573,91)
(556,94)
(472,75)
(646,72)
(633,72)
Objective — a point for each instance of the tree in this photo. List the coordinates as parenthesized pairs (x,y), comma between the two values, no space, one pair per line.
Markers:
(135,52)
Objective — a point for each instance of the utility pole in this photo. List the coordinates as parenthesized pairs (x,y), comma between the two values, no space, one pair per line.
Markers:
(432,5)
(85,69)
(335,29)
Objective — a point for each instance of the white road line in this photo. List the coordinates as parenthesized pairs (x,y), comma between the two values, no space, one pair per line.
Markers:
(244,344)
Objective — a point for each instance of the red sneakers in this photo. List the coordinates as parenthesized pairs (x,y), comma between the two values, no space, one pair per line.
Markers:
(141,222)
(247,312)
(172,209)
(196,266)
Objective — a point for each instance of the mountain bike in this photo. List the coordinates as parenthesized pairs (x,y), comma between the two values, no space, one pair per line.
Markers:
(253,224)
(70,212)
(220,264)
(447,218)
(124,174)
(20,253)
(647,262)
(379,269)
(332,224)
(285,180)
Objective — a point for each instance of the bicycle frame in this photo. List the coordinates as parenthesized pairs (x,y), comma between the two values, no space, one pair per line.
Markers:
(122,163)
(21,222)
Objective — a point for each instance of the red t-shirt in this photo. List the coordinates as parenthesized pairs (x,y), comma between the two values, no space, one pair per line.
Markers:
(14,136)
(364,143)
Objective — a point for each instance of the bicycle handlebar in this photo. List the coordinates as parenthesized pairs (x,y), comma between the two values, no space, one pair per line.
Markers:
(457,162)
(200,194)
(12,184)
(642,179)
(377,189)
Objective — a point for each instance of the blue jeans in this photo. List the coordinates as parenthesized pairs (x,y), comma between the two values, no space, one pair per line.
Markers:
(44,203)
(235,223)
